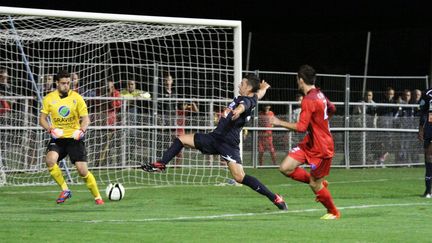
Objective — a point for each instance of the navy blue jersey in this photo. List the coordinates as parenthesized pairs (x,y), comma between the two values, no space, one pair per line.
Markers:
(426,109)
(229,130)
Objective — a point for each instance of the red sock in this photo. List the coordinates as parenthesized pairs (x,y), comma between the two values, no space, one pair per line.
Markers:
(324,197)
(300,174)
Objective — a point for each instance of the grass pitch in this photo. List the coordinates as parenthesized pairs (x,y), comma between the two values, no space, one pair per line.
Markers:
(377,205)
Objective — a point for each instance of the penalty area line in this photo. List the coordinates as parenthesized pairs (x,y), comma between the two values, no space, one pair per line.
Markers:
(206,217)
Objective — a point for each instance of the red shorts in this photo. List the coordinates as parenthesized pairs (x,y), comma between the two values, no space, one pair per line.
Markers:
(320,167)
(265,143)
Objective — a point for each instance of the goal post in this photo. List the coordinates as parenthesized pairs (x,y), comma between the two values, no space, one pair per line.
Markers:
(202,57)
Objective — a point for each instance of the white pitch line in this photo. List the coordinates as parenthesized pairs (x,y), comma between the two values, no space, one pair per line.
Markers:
(166,186)
(250,214)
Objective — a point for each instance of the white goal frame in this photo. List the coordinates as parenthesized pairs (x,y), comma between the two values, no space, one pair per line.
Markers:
(237,56)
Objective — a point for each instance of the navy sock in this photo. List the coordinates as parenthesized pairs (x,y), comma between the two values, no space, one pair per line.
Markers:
(257,186)
(428,177)
(172,151)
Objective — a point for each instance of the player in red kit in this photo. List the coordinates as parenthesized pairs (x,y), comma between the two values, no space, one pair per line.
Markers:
(265,138)
(317,147)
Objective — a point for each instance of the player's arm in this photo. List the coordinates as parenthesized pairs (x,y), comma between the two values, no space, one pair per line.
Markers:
(43,121)
(302,125)
(331,108)
(191,107)
(263,89)
(423,117)
(85,122)
(288,125)
(54,132)
(84,119)
(237,111)
(243,105)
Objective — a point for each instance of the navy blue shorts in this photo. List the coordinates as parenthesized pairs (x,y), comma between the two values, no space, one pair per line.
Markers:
(427,135)
(210,144)
(68,146)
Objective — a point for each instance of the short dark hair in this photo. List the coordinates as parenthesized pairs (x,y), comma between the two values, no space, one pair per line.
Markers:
(62,74)
(253,81)
(307,73)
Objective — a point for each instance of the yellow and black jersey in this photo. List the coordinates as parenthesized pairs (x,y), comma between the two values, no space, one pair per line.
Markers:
(65,112)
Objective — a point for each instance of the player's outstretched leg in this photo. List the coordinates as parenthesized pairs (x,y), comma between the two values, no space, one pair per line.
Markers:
(154,167)
(252,182)
(169,154)
(257,186)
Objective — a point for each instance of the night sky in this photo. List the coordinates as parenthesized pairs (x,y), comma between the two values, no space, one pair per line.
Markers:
(329,35)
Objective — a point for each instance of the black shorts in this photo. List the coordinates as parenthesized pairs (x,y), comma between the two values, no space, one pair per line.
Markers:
(211,144)
(68,146)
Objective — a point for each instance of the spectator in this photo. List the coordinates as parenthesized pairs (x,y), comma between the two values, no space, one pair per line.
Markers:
(418,148)
(296,137)
(417,94)
(265,137)
(5,88)
(182,110)
(386,116)
(76,86)
(167,108)
(131,92)
(75,83)
(297,110)
(370,110)
(5,106)
(113,105)
(109,111)
(405,116)
(48,84)
(366,116)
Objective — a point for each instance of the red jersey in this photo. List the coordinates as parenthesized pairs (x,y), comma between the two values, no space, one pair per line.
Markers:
(112,109)
(181,121)
(318,142)
(4,107)
(264,121)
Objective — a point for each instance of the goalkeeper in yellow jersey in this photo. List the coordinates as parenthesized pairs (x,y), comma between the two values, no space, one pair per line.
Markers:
(68,123)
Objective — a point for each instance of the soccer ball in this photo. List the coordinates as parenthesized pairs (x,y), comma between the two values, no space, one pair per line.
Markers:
(115,192)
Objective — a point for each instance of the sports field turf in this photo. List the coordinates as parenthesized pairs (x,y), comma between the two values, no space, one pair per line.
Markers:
(377,205)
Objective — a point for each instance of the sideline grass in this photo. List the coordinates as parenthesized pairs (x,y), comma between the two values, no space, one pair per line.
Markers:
(377,205)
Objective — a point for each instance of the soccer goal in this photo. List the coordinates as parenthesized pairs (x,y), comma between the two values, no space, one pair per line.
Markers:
(139,55)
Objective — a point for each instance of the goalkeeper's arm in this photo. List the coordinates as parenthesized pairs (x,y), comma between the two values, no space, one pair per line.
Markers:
(43,121)
(85,122)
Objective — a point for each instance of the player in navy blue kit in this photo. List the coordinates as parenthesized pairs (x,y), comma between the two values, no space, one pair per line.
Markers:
(225,139)
(425,135)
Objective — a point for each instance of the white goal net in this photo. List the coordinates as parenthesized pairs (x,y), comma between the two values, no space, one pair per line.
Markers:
(135,55)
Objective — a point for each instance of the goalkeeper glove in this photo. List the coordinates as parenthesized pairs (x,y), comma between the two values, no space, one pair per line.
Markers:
(78,134)
(55,132)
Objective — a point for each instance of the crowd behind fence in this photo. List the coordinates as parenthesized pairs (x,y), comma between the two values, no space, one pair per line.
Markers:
(378,133)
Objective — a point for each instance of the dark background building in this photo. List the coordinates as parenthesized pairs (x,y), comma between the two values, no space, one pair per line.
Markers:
(330,35)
